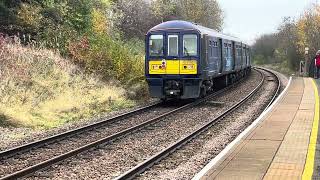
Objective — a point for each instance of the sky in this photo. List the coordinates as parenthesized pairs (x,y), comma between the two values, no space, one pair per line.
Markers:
(247,19)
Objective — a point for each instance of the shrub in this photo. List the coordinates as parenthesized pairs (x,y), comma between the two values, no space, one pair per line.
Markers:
(40,89)
(111,58)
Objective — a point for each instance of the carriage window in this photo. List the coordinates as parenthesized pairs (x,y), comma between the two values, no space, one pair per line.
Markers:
(156,45)
(190,45)
(173,45)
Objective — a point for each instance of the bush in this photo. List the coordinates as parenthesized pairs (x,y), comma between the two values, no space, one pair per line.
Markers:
(40,89)
(110,58)
(86,32)
(259,59)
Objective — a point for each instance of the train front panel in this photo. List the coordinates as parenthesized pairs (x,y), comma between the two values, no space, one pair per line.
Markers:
(173,64)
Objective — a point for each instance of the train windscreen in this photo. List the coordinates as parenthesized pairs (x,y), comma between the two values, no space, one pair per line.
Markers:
(156,45)
(190,45)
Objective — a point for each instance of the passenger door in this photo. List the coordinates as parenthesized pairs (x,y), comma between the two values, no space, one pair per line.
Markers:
(173,55)
(233,55)
(221,55)
(211,63)
(216,55)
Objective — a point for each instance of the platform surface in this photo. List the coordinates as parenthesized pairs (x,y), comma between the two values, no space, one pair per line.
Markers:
(283,145)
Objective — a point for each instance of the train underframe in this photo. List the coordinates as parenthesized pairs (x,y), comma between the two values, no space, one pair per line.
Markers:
(191,88)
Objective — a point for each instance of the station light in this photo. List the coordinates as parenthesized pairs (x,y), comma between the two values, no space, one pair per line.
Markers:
(306,50)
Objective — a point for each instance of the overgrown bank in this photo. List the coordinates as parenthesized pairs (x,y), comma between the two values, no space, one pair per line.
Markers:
(80,58)
(40,89)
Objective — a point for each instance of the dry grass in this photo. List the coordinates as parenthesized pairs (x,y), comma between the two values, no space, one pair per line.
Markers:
(279,68)
(39,89)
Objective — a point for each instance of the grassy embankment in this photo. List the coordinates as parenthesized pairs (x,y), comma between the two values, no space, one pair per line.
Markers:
(278,68)
(41,90)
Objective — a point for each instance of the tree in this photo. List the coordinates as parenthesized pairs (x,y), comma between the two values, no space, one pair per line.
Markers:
(287,42)
(137,18)
(292,38)
(205,12)
(165,10)
(266,47)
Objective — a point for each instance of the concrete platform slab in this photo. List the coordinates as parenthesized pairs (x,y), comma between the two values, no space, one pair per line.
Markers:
(280,145)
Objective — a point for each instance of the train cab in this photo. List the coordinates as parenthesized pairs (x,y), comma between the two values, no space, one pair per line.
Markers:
(173,60)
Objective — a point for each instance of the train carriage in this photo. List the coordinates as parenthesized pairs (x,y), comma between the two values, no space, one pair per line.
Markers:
(185,60)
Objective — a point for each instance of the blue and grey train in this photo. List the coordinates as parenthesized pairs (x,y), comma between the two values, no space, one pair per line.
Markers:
(185,60)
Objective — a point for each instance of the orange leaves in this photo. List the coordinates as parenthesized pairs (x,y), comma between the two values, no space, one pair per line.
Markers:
(79,49)
(308,30)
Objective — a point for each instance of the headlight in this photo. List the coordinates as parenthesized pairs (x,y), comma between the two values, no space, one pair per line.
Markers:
(188,67)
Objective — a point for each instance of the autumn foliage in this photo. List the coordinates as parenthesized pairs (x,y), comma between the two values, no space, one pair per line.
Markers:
(287,46)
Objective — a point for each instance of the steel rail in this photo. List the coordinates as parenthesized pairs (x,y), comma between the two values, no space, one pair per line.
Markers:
(277,92)
(31,169)
(36,144)
(140,168)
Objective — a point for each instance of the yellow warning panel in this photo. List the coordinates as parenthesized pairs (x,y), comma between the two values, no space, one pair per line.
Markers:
(155,67)
(188,67)
(173,67)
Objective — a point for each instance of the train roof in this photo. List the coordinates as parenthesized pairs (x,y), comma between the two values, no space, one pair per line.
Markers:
(178,24)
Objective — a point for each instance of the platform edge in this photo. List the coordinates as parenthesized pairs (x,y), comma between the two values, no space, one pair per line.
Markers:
(225,151)
(309,164)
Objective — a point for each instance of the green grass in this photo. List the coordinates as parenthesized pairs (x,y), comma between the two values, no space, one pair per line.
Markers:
(279,68)
(41,90)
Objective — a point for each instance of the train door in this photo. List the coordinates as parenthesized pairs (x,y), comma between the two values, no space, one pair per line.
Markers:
(215,55)
(205,52)
(238,56)
(210,55)
(220,61)
(233,56)
(244,60)
(227,55)
(173,55)
(242,56)
(248,57)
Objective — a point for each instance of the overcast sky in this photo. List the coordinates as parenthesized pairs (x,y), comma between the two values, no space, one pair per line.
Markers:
(247,19)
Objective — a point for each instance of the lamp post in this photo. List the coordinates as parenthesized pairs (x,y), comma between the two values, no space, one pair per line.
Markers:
(306,66)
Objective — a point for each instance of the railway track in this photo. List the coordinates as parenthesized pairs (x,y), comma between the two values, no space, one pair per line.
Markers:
(31,151)
(277,90)
(137,170)
(96,128)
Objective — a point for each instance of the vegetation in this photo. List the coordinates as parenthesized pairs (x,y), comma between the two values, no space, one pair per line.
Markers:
(286,47)
(40,89)
(62,60)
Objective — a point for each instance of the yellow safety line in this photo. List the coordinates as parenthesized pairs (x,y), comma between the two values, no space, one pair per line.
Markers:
(309,165)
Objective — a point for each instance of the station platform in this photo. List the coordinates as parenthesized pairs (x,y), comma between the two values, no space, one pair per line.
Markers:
(283,143)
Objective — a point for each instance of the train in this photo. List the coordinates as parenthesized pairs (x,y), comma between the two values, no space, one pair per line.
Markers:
(185,60)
